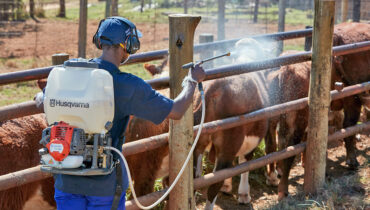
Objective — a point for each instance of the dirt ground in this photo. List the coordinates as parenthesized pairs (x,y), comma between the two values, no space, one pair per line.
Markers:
(265,197)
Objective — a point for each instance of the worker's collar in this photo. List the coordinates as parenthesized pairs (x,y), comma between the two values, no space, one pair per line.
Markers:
(103,64)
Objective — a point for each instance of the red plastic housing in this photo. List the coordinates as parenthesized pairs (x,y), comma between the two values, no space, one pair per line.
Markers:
(60,140)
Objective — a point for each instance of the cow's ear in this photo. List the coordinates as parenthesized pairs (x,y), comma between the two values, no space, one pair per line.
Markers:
(41,83)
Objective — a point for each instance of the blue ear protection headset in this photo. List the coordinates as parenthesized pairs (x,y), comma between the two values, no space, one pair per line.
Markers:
(132,43)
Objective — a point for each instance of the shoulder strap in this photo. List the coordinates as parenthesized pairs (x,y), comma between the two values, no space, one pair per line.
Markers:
(118,193)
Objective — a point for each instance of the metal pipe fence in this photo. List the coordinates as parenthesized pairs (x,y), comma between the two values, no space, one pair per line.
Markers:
(34,174)
(8,112)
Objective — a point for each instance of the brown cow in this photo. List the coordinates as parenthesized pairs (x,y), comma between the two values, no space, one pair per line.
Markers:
(145,166)
(349,69)
(19,144)
(294,84)
(250,87)
(228,97)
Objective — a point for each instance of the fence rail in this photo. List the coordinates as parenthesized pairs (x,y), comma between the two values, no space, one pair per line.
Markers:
(230,70)
(154,142)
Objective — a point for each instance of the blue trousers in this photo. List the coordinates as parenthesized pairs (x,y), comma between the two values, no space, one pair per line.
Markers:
(68,201)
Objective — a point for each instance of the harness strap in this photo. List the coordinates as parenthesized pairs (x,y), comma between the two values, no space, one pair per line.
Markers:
(118,193)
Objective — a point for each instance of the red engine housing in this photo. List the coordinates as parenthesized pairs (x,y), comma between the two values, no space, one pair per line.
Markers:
(60,140)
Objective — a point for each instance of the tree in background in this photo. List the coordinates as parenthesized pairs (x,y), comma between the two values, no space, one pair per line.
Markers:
(185,6)
(115,7)
(166,3)
(62,9)
(255,16)
(142,5)
(32,8)
(356,10)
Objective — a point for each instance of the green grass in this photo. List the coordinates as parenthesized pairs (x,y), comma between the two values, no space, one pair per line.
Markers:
(293,47)
(96,11)
(137,70)
(16,93)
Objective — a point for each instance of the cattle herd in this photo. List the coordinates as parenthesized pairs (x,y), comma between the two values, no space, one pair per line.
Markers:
(226,97)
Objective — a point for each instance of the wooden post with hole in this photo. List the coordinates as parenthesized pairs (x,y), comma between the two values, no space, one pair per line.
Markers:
(82,28)
(319,96)
(182,28)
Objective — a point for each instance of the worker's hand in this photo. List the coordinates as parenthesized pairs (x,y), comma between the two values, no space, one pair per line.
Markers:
(197,73)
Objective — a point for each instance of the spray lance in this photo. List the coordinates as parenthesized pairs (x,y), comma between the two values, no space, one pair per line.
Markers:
(192,64)
(200,87)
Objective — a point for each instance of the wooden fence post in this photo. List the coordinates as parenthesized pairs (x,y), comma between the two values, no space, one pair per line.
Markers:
(59,58)
(82,28)
(181,40)
(281,24)
(319,96)
(221,20)
(205,38)
(344,10)
(114,7)
(255,13)
(356,15)
(108,8)
(185,6)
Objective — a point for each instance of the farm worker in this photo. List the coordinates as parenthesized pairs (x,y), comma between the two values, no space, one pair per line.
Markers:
(118,38)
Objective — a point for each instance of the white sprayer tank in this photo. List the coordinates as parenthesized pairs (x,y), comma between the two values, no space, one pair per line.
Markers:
(81,94)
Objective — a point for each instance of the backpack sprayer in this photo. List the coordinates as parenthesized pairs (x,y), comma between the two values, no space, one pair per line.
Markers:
(79,105)
(82,109)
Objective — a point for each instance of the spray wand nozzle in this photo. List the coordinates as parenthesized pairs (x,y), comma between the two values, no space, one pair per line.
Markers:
(192,64)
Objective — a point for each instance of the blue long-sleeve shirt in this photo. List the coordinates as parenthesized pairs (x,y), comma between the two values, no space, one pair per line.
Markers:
(132,96)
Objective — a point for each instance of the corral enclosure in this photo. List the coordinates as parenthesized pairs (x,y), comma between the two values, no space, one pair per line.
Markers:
(35,47)
(10,10)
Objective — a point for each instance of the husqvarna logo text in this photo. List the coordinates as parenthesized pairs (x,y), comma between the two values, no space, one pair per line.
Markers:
(52,102)
(55,102)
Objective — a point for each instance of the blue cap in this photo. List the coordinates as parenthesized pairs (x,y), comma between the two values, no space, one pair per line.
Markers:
(114,31)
